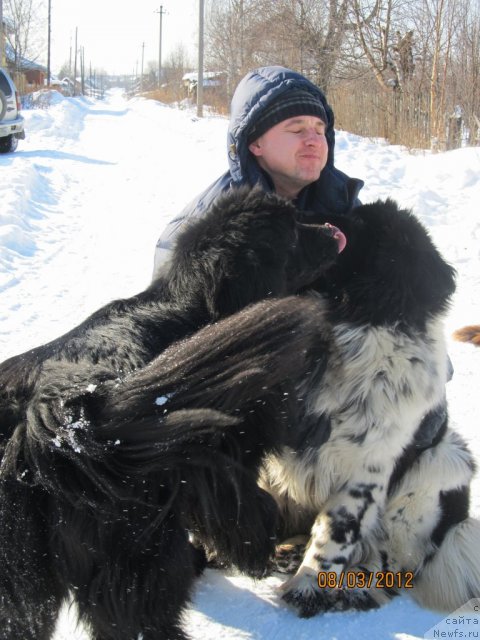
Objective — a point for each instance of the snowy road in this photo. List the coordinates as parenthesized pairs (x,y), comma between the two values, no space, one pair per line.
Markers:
(90,189)
(82,203)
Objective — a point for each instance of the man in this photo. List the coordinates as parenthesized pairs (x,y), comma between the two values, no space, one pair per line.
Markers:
(280,137)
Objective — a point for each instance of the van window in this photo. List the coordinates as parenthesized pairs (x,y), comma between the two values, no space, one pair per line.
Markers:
(5,85)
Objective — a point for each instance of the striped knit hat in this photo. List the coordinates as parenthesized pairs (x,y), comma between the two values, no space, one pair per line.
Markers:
(287,105)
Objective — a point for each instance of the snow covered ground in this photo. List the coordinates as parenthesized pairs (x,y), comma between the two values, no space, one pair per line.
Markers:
(82,203)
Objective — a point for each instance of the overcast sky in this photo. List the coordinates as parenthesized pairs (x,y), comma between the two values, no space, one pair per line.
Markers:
(112,32)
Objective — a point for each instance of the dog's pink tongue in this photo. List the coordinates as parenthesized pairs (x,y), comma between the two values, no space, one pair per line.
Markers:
(339,237)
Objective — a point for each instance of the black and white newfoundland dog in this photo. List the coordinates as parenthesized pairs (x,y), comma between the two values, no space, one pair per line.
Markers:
(384,498)
(264,386)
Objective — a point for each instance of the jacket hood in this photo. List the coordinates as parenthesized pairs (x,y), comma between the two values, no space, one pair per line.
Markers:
(253,95)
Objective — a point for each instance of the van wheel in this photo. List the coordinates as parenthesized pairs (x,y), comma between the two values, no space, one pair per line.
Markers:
(8,144)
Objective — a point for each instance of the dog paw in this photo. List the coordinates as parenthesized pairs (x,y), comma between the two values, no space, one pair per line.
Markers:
(260,572)
(289,555)
(254,559)
(303,594)
(356,600)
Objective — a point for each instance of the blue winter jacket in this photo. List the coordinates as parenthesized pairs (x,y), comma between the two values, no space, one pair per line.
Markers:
(333,192)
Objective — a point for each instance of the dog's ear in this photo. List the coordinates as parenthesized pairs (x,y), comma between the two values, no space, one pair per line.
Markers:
(409,260)
(236,254)
(254,250)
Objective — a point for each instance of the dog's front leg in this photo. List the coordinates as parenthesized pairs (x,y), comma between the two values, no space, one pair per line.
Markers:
(348,519)
(243,533)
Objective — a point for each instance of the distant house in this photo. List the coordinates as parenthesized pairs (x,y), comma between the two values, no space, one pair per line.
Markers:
(27,73)
(214,83)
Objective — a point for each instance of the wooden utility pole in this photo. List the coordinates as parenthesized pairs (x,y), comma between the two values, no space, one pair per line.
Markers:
(49,38)
(161,12)
(75,64)
(2,37)
(141,75)
(200,59)
(82,68)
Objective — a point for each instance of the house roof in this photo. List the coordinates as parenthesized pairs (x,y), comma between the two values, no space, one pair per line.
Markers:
(207,75)
(7,25)
(23,63)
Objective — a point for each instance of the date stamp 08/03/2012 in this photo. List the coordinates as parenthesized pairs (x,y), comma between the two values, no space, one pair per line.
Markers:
(365,580)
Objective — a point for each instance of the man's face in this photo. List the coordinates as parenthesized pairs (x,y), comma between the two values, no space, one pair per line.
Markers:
(293,153)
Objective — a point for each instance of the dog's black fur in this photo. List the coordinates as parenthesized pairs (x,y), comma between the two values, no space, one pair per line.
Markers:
(150,419)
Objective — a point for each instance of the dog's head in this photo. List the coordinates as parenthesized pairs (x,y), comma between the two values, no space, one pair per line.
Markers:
(249,246)
(390,271)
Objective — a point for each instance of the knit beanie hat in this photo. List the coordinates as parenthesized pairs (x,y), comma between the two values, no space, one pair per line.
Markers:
(288,105)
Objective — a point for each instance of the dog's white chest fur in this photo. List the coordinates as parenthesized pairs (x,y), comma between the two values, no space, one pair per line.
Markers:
(378,385)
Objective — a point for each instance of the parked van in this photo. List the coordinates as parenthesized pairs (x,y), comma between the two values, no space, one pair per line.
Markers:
(11,122)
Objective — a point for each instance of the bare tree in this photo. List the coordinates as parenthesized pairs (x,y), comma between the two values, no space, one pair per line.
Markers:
(439,28)
(322,29)
(306,35)
(466,71)
(26,37)
(406,70)
(231,36)
(442,42)
(381,35)
(177,62)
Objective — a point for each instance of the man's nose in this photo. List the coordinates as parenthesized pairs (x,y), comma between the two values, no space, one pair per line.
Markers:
(313,137)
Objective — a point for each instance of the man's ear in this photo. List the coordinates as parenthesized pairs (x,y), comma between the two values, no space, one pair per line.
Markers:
(256,148)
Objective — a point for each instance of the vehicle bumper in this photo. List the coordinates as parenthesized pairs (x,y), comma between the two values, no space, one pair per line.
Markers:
(15,127)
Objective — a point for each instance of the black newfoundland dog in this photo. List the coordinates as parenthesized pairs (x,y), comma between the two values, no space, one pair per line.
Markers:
(159,415)
(150,419)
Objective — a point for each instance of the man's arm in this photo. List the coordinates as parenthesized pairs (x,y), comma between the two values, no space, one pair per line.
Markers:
(195,208)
